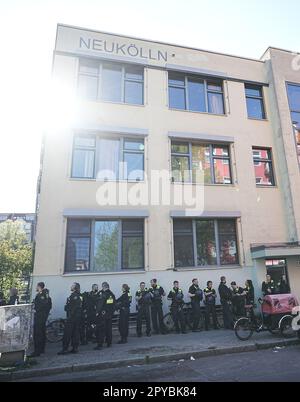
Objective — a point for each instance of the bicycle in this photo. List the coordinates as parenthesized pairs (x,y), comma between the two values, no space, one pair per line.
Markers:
(244,327)
(55,330)
(188,315)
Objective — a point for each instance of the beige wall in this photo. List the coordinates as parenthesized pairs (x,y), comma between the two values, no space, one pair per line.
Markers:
(263,210)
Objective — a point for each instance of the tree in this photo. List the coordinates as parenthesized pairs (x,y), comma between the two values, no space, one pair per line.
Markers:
(16,260)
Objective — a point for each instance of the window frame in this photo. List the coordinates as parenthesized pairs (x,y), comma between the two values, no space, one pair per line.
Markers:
(258,160)
(217,243)
(261,98)
(212,158)
(207,91)
(99,76)
(297,144)
(122,151)
(92,222)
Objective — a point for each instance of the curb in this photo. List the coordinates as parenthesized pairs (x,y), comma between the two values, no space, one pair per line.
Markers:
(18,375)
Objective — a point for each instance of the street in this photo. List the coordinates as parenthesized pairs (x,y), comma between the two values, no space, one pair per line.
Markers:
(278,364)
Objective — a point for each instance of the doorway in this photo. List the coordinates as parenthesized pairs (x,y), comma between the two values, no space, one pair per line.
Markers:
(276,269)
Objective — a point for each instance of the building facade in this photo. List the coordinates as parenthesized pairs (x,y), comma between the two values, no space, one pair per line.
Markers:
(221,130)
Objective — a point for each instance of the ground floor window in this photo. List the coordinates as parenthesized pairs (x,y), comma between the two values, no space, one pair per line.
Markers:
(104,245)
(205,242)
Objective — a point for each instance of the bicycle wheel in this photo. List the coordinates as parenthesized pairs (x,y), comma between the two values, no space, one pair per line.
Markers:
(168,322)
(55,331)
(285,327)
(243,329)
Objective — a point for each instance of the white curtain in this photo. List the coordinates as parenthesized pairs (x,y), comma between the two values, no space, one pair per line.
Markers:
(108,159)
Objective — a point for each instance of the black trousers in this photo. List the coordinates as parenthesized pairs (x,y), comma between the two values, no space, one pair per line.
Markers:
(238,308)
(210,310)
(39,332)
(71,334)
(178,318)
(143,314)
(124,322)
(104,329)
(157,317)
(91,324)
(196,314)
(227,314)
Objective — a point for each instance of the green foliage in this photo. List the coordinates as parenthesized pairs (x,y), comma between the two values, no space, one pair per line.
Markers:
(15,256)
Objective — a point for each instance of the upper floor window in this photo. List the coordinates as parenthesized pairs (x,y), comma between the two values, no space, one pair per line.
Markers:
(195,94)
(108,158)
(205,242)
(294,102)
(255,101)
(104,245)
(188,159)
(111,82)
(263,167)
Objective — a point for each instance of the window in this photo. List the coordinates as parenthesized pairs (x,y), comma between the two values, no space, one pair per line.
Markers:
(188,159)
(294,102)
(263,167)
(255,102)
(104,245)
(83,157)
(108,158)
(111,82)
(195,94)
(205,242)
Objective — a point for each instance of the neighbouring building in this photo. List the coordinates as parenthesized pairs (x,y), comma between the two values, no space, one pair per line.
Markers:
(128,107)
(27,220)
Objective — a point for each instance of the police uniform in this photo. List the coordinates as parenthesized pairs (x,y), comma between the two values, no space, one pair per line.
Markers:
(143,311)
(156,309)
(176,295)
(268,288)
(105,308)
(123,304)
(238,302)
(283,287)
(210,307)
(195,302)
(73,309)
(84,319)
(42,306)
(226,301)
(91,313)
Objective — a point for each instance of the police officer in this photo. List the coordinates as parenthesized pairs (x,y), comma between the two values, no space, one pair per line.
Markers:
(42,306)
(143,301)
(238,300)
(73,309)
(210,296)
(282,286)
(226,301)
(2,299)
(91,311)
(13,297)
(268,286)
(158,293)
(176,295)
(84,319)
(123,305)
(196,296)
(105,308)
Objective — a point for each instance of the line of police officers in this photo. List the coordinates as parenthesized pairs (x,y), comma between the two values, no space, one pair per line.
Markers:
(90,314)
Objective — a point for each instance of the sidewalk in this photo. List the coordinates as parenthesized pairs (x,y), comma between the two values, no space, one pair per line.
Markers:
(157,348)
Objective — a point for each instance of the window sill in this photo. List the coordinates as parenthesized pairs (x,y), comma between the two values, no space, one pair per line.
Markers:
(265,186)
(104,181)
(204,184)
(111,102)
(88,273)
(207,268)
(255,119)
(194,111)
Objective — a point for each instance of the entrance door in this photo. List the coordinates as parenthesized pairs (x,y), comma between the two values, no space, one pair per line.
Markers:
(276,269)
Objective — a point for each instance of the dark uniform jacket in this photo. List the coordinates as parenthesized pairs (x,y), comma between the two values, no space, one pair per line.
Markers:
(2,301)
(176,295)
(225,293)
(106,303)
(157,294)
(195,290)
(124,301)
(42,304)
(209,296)
(268,285)
(283,287)
(91,302)
(237,291)
(13,300)
(249,295)
(73,307)
(146,297)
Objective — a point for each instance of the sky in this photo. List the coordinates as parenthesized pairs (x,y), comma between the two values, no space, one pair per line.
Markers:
(27,35)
